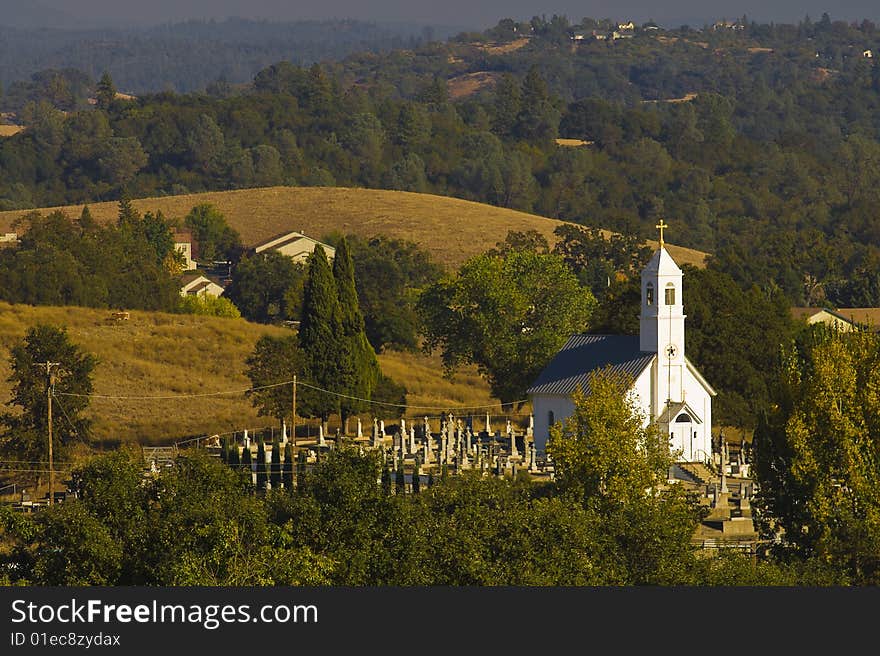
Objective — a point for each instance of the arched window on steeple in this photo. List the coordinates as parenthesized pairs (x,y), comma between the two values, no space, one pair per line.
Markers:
(649,294)
(670,294)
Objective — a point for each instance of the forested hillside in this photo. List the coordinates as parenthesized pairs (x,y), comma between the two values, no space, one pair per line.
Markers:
(757,143)
(187,56)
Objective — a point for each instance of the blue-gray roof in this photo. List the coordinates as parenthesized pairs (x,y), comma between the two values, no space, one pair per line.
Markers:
(583,354)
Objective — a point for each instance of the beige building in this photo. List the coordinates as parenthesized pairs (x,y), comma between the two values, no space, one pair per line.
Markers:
(295,245)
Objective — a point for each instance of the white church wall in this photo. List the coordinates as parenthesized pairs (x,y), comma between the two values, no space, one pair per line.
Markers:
(641,393)
(699,399)
(562,407)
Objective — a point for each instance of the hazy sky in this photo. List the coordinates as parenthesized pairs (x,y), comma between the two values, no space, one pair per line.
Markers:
(482,14)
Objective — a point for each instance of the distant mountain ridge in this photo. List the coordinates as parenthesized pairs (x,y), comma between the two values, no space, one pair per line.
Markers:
(184,56)
(29,14)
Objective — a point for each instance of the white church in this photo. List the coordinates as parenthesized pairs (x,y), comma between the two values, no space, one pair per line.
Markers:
(667,387)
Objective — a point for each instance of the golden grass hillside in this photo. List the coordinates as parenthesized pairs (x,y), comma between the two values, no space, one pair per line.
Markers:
(450,228)
(171,355)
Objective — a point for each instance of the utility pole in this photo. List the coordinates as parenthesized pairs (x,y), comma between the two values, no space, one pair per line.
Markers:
(50,383)
(293,416)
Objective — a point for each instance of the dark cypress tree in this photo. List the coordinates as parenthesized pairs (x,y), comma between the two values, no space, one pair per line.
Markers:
(246,464)
(301,460)
(262,474)
(400,480)
(319,332)
(358,366)
(416,482)
(234,460)
(430,479)
(386,481)
(224,450)
(287,471)
(275,470)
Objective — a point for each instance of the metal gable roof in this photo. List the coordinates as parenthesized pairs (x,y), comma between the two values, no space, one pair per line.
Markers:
(583,354)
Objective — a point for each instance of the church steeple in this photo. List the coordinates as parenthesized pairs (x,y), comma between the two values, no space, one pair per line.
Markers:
(662,317)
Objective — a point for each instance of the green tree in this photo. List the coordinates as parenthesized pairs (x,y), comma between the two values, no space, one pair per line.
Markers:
(276,360)
(264,287)
(358,366)
(105,92)
(507,106)
(69,378)
(815,455)
(389,273)
(605,457)
(538,118)
(216,240)
(319,335)
(735,338)
(506,314)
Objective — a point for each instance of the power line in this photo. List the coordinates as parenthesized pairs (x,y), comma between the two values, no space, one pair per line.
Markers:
(290,382)
(177,396)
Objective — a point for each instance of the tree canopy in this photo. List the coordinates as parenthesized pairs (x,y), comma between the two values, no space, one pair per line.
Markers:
(508,314)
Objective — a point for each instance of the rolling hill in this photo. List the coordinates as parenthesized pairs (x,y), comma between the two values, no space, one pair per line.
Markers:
(177,356)
(451,229)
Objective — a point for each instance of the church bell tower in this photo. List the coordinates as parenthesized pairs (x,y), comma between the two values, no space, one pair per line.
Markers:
(661,328)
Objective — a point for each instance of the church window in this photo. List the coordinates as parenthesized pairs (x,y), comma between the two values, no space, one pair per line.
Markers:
(683,418)
(649,294)
(670,294)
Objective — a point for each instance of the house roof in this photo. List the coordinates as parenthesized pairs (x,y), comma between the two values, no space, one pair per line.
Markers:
(190,276)
(583,354)
(867,317)
(287,238)
(847,315)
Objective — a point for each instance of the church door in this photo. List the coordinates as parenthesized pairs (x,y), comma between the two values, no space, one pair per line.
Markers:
(682,436)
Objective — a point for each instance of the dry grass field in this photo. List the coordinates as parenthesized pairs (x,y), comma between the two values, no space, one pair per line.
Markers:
(468,84)
(452,229)
(171,355)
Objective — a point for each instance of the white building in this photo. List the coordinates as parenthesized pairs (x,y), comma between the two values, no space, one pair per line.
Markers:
(295,245)
(195,284)
(183,243)
(667,387)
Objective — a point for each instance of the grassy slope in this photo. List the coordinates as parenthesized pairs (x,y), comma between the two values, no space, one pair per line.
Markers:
(155,354)
(452,229)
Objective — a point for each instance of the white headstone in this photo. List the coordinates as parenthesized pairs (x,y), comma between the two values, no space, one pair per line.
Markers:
(360,429)
(488,429)
(321,441)
(412,439)
(247,440)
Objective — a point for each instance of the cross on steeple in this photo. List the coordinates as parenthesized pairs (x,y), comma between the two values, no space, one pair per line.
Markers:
(661,226)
